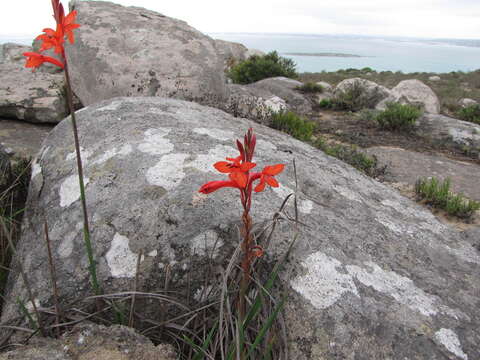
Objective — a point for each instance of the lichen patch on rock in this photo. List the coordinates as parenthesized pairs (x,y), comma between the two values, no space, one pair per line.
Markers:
(120,259)
(70,190)
(155,142)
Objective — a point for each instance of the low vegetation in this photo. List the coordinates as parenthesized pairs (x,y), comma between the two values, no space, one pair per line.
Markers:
(398,117)
(310,87)
(352,156)
(256,68)
(293,124)
(13,194)
(470,113)
(439,196)
(450,89)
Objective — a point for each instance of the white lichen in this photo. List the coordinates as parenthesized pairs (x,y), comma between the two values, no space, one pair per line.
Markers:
(323,285)
(70,190)
(120,259)
(111,107)
(401,288)
(84,154)
(450,340)
(154,142)
(305,206)
(275,104)
(204,162)
(36,170)
(168,172)
(123,151)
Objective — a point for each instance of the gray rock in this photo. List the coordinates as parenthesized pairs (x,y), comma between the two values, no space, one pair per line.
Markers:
(434,78)
(252,103)
(325,85)
(25,95)
(254,52)
(93,342)
(413,92)
(447,131)
(284,88)
(131,51)
(466,102)
(23,139)
(370,93)
(372,276)
(230,52)
(407,166)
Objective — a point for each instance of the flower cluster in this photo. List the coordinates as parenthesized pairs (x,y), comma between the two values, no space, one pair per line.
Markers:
(239,174)
(54,38)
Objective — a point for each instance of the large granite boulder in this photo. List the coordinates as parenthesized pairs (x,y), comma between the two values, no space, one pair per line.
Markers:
(93,342)
(451,132)
(413,92)
(284,88)
(37,97)
(372,276)
(231,52)
(131,51)
(252,103)
(365,93)
(466,102)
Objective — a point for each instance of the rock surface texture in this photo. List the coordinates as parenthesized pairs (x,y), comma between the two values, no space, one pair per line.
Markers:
(413,92)
(373,275)
(231,52)
(369,92)
(284,88)
(448,131)
(407,166)
(252,103)
(130,51)
(466,102)
(25,95)
(93,342)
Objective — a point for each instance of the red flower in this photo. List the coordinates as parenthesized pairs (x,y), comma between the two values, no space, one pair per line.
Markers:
(68,25)
(267,176)
(215,185)
(238,170)
(54,38)
(51,39)
(34,60)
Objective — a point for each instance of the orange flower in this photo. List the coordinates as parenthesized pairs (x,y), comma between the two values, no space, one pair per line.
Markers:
(267,176)
(238,171)
(52,38)
(68,25)
(34,60)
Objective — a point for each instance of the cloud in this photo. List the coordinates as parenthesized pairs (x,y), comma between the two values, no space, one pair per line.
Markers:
(420,18)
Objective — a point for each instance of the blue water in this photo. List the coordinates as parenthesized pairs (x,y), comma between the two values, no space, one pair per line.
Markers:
(378,53)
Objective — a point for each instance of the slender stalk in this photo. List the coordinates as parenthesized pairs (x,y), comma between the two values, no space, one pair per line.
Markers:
(86,231)
(53,275)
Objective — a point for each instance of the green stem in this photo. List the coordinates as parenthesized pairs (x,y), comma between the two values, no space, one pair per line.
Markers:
(86,231)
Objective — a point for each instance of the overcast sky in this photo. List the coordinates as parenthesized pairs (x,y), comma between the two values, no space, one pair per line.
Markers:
(416,18)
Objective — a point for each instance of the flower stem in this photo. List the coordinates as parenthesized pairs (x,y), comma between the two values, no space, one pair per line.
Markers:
(246,262)
(86,230)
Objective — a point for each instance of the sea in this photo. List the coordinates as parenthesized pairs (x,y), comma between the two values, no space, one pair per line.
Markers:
(317,53)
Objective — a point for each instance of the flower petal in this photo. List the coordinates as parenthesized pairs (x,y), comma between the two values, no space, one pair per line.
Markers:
(260,186)
(271,181)
(215,185)
(246,166)
(223,166)
(240,178)
(274,169)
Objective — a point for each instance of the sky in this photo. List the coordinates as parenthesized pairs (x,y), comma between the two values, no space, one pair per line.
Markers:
(409,18)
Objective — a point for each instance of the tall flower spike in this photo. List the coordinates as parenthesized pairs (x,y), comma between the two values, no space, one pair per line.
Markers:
(34,60)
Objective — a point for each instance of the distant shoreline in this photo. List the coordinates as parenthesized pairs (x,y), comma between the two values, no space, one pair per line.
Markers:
(323,55)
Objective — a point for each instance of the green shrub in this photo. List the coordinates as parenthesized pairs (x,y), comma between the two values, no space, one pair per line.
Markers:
(293,124)
(439,196)
(398,117)
(310,87)
(354,98)
(325,104)
(470,113)
(368,115)
(367,70)
(256,68)
(352,156)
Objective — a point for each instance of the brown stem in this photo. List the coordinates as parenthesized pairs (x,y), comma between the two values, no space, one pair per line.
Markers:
(86,229)
(53,275)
